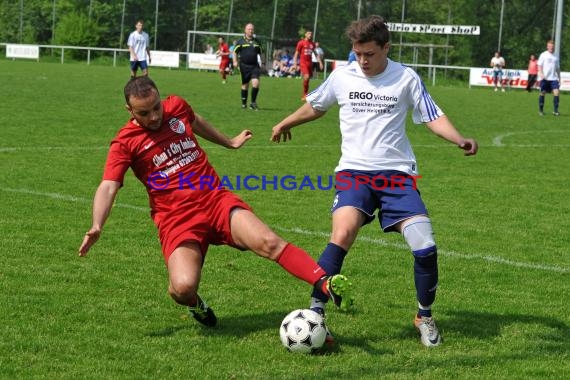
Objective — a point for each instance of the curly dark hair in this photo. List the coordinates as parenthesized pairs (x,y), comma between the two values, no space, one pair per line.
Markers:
(372,28)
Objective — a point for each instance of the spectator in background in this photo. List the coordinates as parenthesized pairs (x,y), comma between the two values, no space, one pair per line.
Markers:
(232,48)
(532,72)
(286,64)
(351,56)
(138,44)
(276,64)
(549,76)
(318,56)
(209,49)
(224,53)
(498,63)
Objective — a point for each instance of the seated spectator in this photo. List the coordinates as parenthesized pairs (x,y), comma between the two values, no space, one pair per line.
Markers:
(287,68)
(285,63)
(275,70)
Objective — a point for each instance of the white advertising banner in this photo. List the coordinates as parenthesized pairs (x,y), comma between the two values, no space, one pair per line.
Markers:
(512,78)
(164,58)
(468,30)
(22,51)
(203,61)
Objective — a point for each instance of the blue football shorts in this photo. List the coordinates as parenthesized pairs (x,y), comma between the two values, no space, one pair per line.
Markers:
(135,64)
(549,85)
(393,193)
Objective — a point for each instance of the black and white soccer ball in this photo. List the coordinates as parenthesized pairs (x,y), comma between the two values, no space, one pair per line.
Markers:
(303,331)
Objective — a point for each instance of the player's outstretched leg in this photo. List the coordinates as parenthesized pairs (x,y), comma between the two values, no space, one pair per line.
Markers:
(339,290)
(203,313)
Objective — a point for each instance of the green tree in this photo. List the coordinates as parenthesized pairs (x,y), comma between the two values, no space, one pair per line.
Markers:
(75,29)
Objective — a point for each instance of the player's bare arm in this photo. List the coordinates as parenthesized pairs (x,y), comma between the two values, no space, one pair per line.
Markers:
(295,58)
(303,114)
(443,128)
(207,131)
(102,204)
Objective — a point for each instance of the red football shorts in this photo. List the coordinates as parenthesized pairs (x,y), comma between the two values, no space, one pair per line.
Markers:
(224,63)
(307,69)
(204,219)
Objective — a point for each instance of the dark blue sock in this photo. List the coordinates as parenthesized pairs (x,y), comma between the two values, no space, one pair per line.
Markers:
(424,313)
(331,261)
(556,101)
(541,102)
(425,278)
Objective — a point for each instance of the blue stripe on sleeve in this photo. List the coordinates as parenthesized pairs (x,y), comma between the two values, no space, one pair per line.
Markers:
(429,103)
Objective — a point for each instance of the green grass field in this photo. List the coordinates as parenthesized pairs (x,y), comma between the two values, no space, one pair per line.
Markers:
(501,220)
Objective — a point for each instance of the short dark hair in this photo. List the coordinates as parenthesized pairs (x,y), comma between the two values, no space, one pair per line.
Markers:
(372,28)
(139,87)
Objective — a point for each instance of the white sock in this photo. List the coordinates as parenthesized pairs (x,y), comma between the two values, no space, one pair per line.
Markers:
(315,302)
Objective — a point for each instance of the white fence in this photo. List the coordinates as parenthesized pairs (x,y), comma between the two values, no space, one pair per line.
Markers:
(170,59)
(25,51)
(512,78)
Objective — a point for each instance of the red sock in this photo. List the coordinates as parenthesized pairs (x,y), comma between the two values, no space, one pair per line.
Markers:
(298,262)
(305,86)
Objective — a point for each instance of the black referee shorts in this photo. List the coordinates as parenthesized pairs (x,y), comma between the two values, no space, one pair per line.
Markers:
(249,72)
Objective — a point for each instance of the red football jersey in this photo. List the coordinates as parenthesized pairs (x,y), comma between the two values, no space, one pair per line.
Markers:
(168,161)
(223,48)
(305,51)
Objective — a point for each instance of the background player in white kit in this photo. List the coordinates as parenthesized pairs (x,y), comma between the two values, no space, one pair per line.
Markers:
(138,44)
(549,77)
(374,94)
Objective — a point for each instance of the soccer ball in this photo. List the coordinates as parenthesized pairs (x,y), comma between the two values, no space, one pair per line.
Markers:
(303,331)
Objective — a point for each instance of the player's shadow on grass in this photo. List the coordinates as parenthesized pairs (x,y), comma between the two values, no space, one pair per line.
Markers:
(238,326)
(241,326)
(481,325)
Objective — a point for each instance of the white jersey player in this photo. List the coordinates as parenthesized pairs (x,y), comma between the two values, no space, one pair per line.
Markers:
(549,76)
(139,50)
(377,168)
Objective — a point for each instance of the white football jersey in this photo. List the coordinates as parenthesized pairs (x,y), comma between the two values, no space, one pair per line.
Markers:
(498,63)
(373,114)
(550,65)
(139,42)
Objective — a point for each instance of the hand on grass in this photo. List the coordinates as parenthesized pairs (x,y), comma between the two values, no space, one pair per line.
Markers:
(89,239)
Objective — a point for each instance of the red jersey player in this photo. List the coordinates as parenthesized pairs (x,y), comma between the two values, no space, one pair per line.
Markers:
(189,207)
(304,55)
(224,53)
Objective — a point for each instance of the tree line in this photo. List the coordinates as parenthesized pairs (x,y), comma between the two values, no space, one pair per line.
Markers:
(526,24)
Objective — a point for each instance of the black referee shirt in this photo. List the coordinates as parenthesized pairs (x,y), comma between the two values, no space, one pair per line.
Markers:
(247,51)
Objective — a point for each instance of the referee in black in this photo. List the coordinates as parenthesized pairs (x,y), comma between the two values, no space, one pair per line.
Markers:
(248,51)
